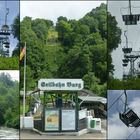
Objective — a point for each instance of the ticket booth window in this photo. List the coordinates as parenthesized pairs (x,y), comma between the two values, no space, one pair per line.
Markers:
(60,100)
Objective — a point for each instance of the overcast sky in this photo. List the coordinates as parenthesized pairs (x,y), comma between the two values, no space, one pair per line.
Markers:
(13,12)
(116,128)
(53,9)
(117,8)
(13,73)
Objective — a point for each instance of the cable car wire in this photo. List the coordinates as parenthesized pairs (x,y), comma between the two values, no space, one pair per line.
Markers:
(125,101)
(115,101)
(131,133)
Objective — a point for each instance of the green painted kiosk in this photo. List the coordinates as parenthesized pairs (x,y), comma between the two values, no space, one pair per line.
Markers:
(60,108)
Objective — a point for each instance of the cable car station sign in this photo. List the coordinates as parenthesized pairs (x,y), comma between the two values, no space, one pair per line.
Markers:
(61,84)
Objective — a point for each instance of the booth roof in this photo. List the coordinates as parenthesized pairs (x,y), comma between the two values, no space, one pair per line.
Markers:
(93,99)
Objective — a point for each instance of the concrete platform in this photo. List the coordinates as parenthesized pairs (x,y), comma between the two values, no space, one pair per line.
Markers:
(32,134)
(82,132)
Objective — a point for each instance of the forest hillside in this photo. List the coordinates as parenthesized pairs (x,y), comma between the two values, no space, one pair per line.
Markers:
(9,97)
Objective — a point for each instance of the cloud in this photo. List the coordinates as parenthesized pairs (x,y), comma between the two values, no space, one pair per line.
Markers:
(135,105)
(0,5)
(53,9)
(13,73)
(118,130)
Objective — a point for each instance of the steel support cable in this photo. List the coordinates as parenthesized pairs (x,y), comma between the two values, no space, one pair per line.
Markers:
(7,12)
(123,103)
(117,107)
(130,7)
(115,101)
(125,100)
(131,133)
(126,38)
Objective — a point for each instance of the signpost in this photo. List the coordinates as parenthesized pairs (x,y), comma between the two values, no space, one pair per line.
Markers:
(60,84)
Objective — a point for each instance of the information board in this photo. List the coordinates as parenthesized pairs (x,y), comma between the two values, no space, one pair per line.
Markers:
(68,120)
(51,120)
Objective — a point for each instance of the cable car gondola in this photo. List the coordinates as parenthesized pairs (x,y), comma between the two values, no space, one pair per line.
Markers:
(131,19)
(128,116)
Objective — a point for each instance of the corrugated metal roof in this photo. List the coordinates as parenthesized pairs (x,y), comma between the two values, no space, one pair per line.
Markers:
(93,99)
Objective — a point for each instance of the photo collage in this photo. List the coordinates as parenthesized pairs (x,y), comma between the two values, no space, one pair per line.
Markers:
(69,69)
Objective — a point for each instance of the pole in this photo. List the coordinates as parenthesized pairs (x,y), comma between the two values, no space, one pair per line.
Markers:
(130,7)
(24,94)
(125,101)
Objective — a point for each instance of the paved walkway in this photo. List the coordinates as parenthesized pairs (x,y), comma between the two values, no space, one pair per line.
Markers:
(24,134)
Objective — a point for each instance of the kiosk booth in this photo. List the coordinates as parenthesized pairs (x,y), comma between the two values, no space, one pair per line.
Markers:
(57,108)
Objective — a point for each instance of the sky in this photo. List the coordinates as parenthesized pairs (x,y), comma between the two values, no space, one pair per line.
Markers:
(53,9)
(13,12)
(116,128)
(117,9)
(13,73)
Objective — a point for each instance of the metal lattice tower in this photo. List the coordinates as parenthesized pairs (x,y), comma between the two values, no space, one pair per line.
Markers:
(4,37)
(130,56)
(128,116)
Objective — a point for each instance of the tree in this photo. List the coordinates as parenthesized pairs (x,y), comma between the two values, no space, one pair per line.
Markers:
(114,33)
(16,34)
(114,38)
(9,97)
(63,27)
(40,27)
(74,49)
(16,27)
(74,62)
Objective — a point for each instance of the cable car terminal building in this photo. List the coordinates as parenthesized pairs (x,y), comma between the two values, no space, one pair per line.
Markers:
(56,108)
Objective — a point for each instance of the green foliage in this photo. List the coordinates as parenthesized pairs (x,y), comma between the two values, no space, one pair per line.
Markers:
(52,36)
(9,97)
(114,38)
(116,84)
(114,33)
(9,63)
(93,83)
(71,49)
(16,34)
(16,27)
(40,28)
